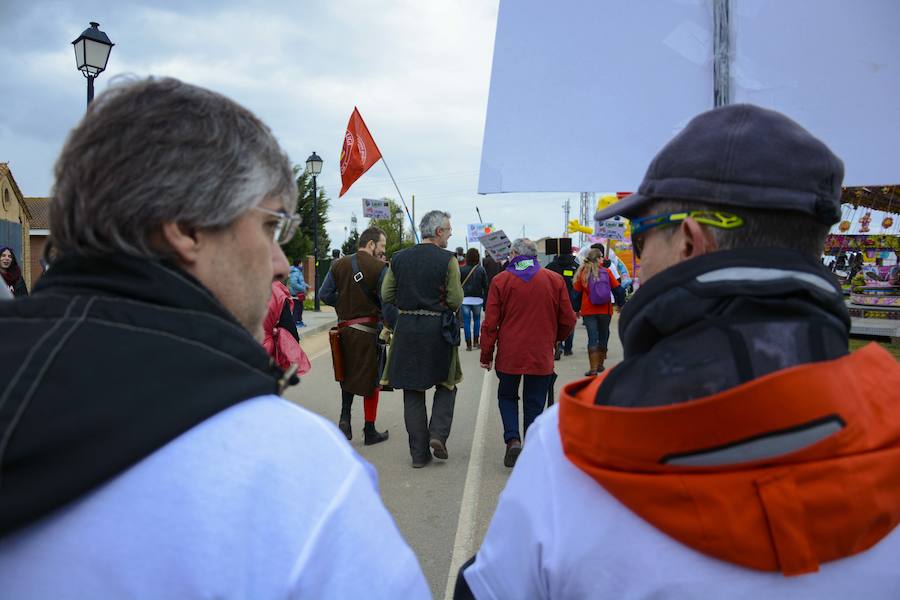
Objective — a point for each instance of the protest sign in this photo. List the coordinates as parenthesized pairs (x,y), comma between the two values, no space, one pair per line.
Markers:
(474,231)
(612,229)
(496,244)
(376,209)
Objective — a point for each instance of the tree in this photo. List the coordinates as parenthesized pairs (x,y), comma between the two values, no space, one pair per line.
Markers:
(302,244)
(352,243)
(397,236)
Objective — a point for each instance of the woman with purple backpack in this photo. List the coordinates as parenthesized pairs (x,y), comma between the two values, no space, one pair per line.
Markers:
(595,282)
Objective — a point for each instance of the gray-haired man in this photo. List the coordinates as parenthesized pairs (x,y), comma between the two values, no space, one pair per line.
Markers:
(423,283)
(145,451)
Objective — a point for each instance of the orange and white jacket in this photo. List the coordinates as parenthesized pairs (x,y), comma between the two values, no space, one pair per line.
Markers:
(695,500)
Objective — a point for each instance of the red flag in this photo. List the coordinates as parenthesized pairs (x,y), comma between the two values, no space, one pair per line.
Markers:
(359,152)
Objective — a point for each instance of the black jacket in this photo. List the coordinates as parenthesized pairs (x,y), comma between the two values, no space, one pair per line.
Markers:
(566,265)
(113,359)
(477,284)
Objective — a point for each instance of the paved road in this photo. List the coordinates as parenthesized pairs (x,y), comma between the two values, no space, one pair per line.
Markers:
(444,509)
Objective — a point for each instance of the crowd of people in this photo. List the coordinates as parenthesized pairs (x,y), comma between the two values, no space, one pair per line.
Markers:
(738,450)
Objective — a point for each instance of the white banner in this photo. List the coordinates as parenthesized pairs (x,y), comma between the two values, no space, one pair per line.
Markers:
(620,108)
(376,209)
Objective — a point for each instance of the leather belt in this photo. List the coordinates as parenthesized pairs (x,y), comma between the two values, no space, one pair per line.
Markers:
(360,324)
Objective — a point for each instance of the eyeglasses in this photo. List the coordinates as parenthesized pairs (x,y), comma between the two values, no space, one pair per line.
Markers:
(286,226)
(720,220)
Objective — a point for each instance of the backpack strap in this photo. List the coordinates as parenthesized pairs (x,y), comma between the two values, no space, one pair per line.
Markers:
(358,278)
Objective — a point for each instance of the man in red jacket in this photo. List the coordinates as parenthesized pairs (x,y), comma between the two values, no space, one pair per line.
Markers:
(528,312)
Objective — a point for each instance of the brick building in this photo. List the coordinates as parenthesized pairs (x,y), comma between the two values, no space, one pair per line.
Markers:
(15,221)
(40,230)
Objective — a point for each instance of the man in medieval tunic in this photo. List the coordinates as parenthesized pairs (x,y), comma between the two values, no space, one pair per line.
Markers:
(352,287)
(423,283)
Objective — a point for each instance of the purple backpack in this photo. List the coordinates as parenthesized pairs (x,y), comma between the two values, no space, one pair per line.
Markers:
(598,288)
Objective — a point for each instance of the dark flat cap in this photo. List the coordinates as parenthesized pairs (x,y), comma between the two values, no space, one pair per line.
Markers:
(742,155)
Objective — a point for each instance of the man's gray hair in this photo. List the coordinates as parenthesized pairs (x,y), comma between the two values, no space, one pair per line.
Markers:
(153,151)
(762,228)
(431,221)
(524,247)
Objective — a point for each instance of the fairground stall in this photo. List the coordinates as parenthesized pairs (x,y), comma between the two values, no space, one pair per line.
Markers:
(863,250)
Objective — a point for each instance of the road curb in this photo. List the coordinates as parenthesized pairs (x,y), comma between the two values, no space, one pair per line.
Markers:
(305,331)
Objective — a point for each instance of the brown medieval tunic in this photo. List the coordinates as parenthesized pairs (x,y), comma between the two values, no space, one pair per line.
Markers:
(359,347)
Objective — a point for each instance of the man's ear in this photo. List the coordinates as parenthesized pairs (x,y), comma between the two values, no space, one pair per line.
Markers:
(183,242)
(694,240)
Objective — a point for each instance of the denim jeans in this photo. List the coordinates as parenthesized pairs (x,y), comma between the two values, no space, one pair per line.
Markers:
(597,330)
(534,392)
(298,310)
(470,312)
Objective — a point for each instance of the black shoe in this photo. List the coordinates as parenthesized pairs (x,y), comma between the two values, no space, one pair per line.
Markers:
(372,436)
(568,353)
(418,464)
(344,426)
(513,449)
(557,354)
(439,448)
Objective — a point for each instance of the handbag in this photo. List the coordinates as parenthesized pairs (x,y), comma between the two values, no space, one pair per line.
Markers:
(450,327)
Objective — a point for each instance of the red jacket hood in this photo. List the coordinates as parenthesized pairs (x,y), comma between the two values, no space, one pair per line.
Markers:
(789,513)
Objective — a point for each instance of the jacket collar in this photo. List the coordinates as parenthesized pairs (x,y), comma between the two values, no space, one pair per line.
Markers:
(728,282)
(723,319)
(159,283)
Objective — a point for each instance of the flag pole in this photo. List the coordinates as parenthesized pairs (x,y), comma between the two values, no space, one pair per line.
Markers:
(411,222)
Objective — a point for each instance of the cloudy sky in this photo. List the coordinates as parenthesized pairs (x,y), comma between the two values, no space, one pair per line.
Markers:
(418,70)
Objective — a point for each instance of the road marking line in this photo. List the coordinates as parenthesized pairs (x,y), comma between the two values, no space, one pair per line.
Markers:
(464,544)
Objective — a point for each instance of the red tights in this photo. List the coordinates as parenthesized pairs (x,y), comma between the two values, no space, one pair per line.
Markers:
(370,406)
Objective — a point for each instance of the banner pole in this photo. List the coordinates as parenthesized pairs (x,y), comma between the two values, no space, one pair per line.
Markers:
(411,222)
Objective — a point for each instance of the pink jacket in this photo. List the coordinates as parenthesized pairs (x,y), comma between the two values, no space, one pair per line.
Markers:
(279,342)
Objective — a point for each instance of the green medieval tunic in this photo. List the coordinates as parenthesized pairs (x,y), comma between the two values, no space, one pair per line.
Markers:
(423,283)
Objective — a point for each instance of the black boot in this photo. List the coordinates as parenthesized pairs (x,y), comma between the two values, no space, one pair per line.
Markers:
(372,435)
(344,422)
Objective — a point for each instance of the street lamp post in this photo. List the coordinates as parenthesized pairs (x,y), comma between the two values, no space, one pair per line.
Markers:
(314,167)
(92,50)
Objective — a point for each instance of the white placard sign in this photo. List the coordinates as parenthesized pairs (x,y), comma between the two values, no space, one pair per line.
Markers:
(475,231)
(376,209)
(611,229)
(620,108)
(496,244)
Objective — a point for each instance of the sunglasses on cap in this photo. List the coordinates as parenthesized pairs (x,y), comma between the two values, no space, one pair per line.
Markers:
(721,220)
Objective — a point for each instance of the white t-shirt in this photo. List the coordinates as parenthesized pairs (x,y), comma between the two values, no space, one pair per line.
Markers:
(557,533)
(263,500)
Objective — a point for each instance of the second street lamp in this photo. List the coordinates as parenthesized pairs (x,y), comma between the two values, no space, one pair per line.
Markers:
(314,167)
(92,50)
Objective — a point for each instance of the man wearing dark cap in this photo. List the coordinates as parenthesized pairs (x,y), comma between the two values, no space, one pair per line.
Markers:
(738,450)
